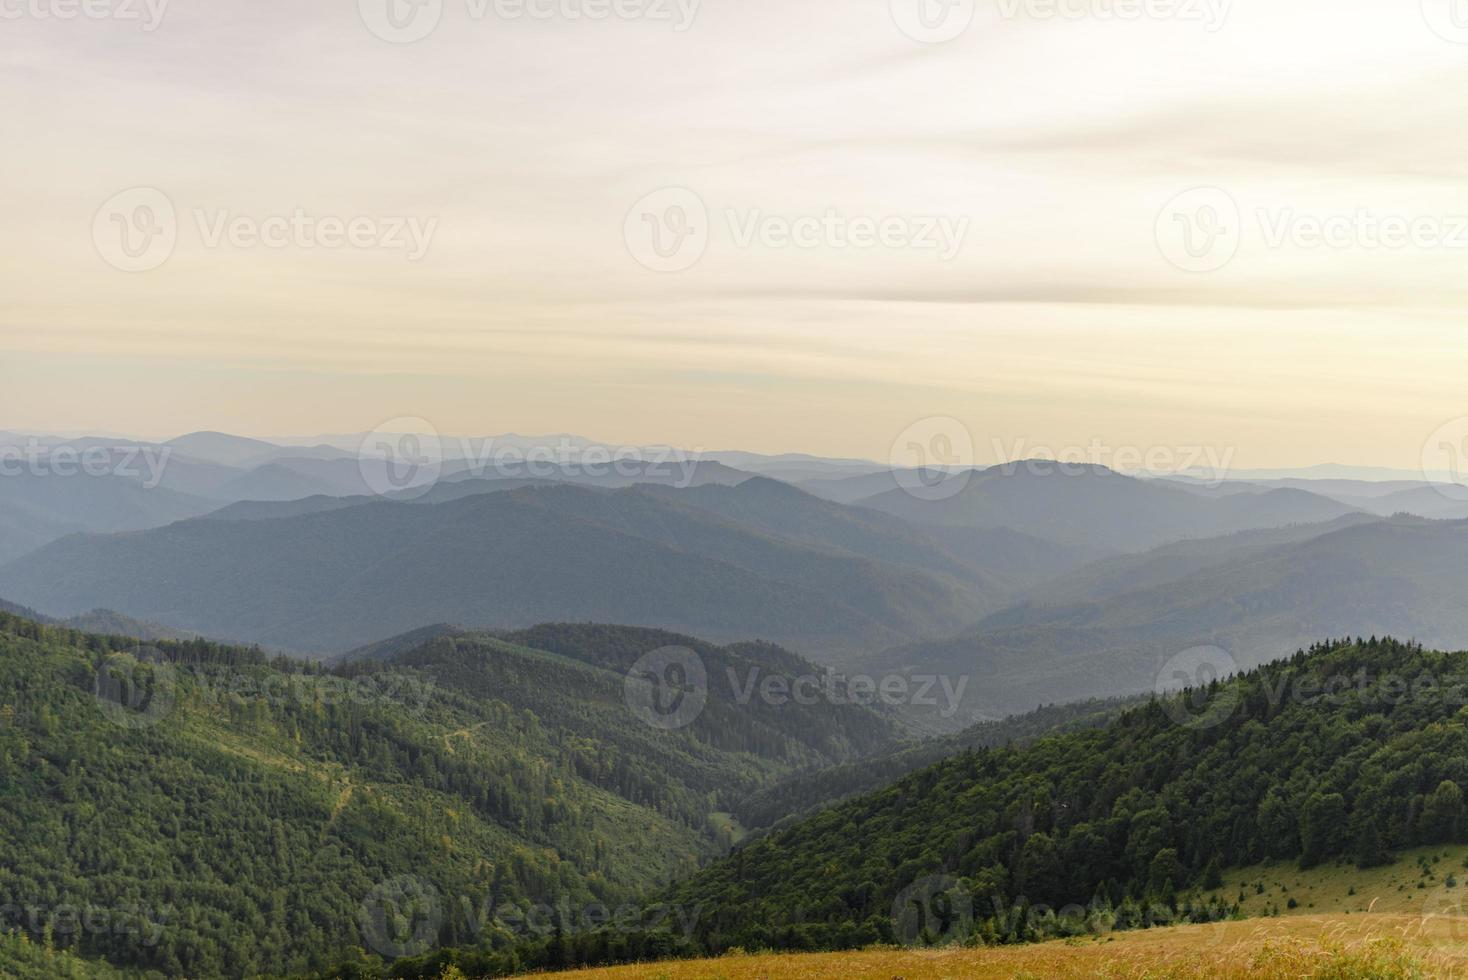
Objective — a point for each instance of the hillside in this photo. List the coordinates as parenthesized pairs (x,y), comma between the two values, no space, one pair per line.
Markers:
(1402,919)
(997,560)
(804,792)
(1119,574)
(253,806)
(35,510)
(334,580)
(1100,637)
(1324,947)
(1092,506)
(55,486)
(1125,817)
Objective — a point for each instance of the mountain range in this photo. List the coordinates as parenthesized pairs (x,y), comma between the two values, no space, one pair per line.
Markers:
(332,580)
(242,811)
(1040,583)
(1110,628)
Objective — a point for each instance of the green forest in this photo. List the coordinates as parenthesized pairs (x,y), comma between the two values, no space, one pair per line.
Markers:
(1348,751)
(489,803)
(198,809)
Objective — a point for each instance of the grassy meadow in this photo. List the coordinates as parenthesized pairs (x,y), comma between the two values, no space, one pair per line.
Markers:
(1360,947)
(1406,920)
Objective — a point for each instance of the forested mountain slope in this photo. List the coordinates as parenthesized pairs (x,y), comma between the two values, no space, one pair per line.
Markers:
(241,810)
(1404,576)
(803,792)
(1352,750)
(331,581)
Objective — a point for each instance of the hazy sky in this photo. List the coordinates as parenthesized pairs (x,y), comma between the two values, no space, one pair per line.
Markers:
(997,231)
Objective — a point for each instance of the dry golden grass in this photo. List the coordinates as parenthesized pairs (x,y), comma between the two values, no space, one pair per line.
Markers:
(1329,947)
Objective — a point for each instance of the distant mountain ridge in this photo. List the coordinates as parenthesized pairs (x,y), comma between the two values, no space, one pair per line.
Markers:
(1101,637)
(333,580)
(1092,506)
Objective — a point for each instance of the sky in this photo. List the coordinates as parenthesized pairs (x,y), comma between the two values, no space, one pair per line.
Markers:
(773,225)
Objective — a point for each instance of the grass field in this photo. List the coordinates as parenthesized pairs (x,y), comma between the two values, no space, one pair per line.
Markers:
(1409,919)
(1338,947)
(1430,880)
